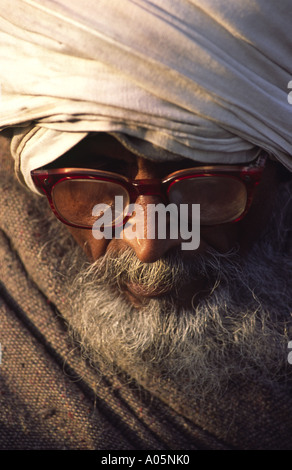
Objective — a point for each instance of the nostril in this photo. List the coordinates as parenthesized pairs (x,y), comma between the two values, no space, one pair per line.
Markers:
(151,250)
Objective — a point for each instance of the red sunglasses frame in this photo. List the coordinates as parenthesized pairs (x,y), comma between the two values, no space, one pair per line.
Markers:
(47,179)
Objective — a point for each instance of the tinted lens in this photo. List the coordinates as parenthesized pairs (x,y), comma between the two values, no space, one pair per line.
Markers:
(76,201)
(222,199)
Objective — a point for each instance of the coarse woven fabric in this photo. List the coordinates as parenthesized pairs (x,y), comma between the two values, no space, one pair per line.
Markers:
(206,80)
(51,398)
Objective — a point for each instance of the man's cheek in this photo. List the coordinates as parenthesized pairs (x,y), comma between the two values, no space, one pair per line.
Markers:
(93,248)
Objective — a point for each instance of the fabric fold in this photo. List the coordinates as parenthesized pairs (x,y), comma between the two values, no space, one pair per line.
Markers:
(200,80)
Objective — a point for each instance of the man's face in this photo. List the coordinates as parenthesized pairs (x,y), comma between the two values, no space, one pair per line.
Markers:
(194,318)
(106,153)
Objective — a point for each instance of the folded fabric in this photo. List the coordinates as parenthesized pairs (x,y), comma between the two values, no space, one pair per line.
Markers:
(205,80)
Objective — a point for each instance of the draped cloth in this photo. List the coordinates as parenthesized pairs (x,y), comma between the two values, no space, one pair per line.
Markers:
(206,80)
(52,399)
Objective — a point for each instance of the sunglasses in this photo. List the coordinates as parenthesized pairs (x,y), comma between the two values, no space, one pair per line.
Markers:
(224,192)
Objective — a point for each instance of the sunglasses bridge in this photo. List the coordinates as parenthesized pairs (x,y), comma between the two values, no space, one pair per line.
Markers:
(148,187)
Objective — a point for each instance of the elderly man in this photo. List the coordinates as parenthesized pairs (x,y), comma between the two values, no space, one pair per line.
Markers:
(113,338)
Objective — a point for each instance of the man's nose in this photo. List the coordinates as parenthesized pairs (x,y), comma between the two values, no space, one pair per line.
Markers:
(144,231)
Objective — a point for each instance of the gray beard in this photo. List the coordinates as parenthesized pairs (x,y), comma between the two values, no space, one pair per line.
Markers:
(237,331)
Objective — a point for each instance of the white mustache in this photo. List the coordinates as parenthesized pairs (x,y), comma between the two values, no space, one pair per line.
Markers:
(171,271)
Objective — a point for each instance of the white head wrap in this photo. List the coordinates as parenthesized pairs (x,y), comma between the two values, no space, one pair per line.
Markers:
(202,79)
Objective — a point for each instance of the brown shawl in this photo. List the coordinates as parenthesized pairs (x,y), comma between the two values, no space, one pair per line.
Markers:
(51,398)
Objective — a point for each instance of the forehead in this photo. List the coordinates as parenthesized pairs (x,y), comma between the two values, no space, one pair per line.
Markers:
(97,148)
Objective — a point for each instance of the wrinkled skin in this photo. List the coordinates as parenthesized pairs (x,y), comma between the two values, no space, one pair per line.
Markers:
(222,237)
